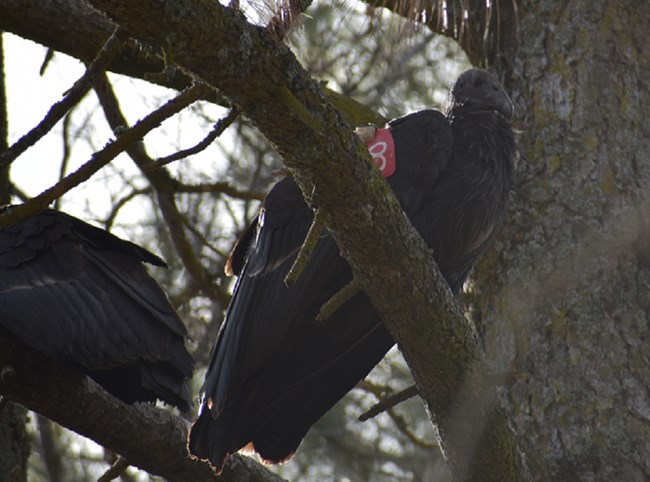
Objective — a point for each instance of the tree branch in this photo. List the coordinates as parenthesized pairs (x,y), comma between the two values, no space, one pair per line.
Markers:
(164,186)
(389,402)
(100,158)
(150,438)
(74,28)
(73,96)
(266,82)
(217,130)
(219,188)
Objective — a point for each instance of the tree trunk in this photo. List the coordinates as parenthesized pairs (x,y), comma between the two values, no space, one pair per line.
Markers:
(569,304)
(14,448)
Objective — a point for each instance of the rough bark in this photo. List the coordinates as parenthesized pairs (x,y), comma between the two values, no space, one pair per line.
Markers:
(14,448)
(263,78)
(571,308)
(564,295)
(14,445)
(74,28)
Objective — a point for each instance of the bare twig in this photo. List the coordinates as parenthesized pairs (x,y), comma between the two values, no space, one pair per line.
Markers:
(49,55)
(219,188)
(308,245)
(115,470)
(118,204)
(51,455)
(403,427)
(387,405)
(337,300)
(388,402)
(100,158)
(201,237)
(164,186)
(216,131)
(73,96)
(66,151)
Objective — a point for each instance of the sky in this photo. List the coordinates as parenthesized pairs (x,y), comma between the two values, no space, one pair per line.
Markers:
(29,97)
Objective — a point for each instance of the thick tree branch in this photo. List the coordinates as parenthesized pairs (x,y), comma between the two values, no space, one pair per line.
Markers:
(148,437)
(72,27)
(265,81)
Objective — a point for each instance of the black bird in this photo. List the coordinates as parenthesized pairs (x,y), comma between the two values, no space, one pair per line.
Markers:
(81,295)
(275,370)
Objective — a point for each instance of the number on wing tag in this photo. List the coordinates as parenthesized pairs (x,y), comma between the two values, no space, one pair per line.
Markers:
(382,150)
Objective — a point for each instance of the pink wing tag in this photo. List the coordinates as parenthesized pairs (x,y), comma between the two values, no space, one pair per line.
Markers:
(382,150)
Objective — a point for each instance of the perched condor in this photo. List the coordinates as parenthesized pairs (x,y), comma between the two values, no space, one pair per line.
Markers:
(81,295)
(275,370)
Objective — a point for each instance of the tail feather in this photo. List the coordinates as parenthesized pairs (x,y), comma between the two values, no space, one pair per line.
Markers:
(276,444)
(276,412)
(208,440)
(167,383)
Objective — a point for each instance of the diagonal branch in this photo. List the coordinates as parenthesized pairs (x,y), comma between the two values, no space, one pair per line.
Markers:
(164,186)
(150,438)
(389,402)
(217,130)
(306,249)
(100,158)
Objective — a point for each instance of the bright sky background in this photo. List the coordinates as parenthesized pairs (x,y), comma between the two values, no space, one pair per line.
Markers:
(30,96)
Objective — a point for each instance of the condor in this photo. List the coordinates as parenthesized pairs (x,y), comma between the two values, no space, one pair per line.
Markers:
(275,369)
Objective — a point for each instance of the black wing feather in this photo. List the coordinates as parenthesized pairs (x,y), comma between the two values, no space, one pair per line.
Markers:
(79,294)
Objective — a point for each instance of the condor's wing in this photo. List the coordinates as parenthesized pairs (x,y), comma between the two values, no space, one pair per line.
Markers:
(270,347)
(263,311)
(276,234)
(79,294)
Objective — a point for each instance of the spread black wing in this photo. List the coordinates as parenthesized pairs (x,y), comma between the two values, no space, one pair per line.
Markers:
(81,295)
(275,370)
